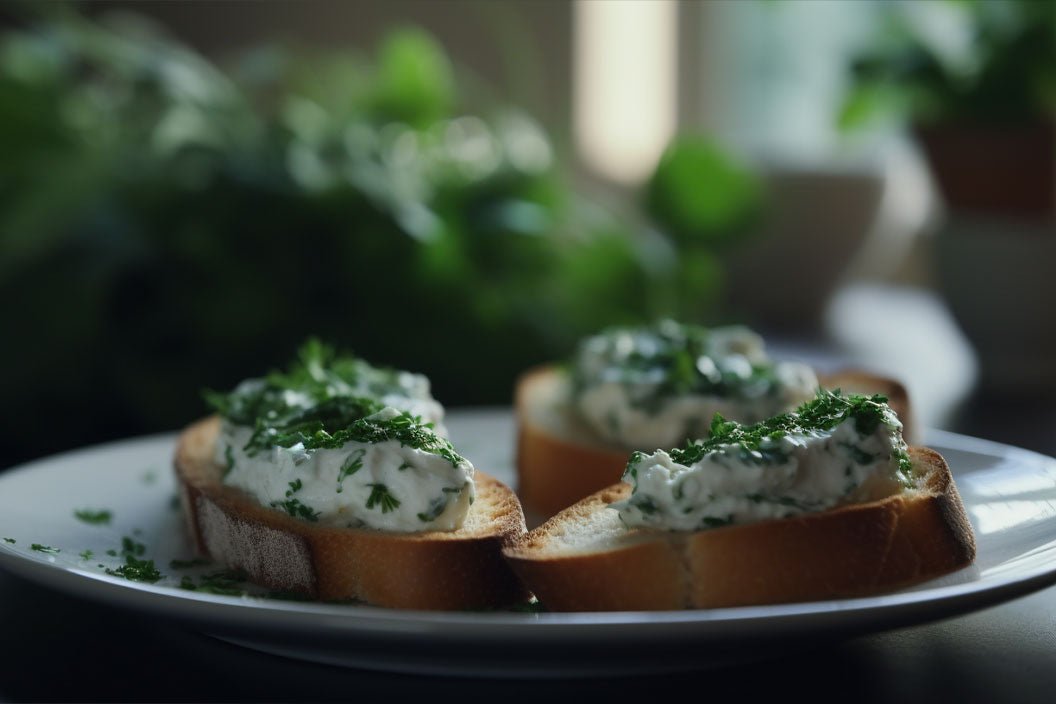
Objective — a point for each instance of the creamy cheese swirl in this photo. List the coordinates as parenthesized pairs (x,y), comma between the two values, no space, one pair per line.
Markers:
(797,463)
(656,386)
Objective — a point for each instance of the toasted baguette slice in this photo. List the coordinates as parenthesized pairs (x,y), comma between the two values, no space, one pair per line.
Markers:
(585,559)
(560,459)
(461,569)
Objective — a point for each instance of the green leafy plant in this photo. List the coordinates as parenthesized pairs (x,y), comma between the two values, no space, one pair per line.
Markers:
(706,203)
(1000,68)
(167,224)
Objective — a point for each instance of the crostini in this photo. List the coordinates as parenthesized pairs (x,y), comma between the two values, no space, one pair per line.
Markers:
(326,480)
(823,502)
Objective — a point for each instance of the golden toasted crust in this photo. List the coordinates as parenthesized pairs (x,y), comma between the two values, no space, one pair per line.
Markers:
(560,459)
(577,561)
(461,569)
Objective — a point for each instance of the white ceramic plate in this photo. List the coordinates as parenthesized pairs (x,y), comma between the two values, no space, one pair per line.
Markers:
(1010,495)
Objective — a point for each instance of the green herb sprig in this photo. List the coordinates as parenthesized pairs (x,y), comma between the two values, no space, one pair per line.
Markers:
(381,496)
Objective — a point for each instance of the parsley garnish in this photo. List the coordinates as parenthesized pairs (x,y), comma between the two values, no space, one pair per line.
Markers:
(757,442)
(644,503)
(134,569)
(324,401)
(352,464)
(9,540)
(93,517)
(137,570)
(86,555)
(131,548)
(229,459)
(225,582)
(44,548)
(380,496)
(436,507)
(668,359)
(296,509)
(295,486)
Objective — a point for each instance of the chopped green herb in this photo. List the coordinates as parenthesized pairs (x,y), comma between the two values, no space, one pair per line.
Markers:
(9,540)
(229,460)
(644,503)
(757,443)
(295,486)
(87,515)
(44,548)
(669,359)
(131,548)
(859,455)
(352,464)
(137,570)
(436,507)
(380,496)
(86,555)
(296,509)
(341,393)
(112,553)
(715,522)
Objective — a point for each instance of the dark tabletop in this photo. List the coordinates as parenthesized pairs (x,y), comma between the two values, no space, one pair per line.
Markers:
(56,647)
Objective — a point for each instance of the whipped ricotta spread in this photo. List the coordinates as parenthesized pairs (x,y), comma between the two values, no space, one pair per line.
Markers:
(833,450)
(386,484)
(656,386)
(337,441)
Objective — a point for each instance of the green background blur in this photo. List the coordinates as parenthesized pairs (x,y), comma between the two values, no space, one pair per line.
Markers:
(169,224)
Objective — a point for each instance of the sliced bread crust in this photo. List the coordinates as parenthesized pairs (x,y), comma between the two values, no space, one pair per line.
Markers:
(455,570)
(560,459)
(584,559)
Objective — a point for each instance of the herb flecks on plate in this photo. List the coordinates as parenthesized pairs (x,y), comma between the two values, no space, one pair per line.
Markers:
(135,568)
(93,517)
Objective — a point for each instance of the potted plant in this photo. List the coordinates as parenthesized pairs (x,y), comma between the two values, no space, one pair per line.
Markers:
(976,82)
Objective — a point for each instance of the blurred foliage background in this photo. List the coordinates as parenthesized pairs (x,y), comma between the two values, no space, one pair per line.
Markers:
(168,224)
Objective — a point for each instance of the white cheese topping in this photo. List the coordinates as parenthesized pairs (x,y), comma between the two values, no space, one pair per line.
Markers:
(382,485)
(624,394)
(791,475)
